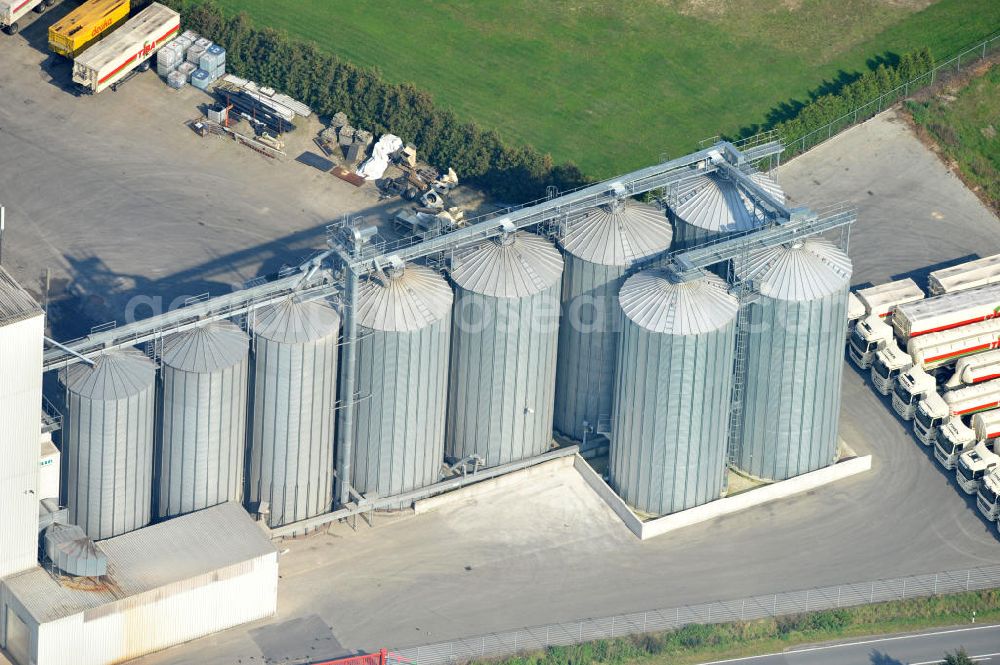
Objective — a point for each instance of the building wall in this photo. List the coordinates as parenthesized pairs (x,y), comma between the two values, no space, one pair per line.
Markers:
(20,429)
(159,618)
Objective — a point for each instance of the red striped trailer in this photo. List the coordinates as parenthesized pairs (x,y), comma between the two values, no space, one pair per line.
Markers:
(12,11)
(131,45)
(952,310)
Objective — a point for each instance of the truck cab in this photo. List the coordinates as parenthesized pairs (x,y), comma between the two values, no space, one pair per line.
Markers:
(889,364)
(911,387)
(975,465)
(986,499)
(870,334)
(928,415)
(855,312)
(953,439)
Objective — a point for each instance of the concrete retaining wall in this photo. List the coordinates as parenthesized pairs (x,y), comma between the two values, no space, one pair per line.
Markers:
(732,504)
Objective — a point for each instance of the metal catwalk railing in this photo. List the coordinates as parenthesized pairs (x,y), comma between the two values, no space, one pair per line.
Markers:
(508,643)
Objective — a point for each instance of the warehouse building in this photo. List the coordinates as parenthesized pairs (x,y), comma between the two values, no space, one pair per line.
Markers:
(165,584)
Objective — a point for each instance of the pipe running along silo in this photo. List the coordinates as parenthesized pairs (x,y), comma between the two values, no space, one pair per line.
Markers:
(672,391)
(598,248)
(107,442)
(404,319)
(203,398)
(794,358)
(293,379)
(712,206)
(503,351)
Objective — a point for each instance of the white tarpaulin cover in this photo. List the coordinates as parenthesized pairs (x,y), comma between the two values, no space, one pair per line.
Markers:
(373,167)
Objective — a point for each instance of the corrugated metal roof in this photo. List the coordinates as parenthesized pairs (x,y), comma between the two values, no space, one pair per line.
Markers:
(291,322)
(115,375)
(519,265)
(16,304)
(150,558)
(714,203)
(213,346)
(655,301)
(617,235)
(410,299)
(804,270)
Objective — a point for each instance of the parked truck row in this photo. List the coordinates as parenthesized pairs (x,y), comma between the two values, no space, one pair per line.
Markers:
(938,356)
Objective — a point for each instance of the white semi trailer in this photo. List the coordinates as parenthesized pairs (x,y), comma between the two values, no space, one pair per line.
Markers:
(934,409)
(911,376)
(12,11)
(872,332)
(127,48)
(974,465)
(954,437)
(964,276)
(975,369)
(944,312)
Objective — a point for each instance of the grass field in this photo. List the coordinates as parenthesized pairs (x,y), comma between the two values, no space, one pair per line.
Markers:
(966,126)
(613,85)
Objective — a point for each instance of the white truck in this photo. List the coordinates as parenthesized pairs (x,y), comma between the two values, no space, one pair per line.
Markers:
(964,276)
(910,376)
(855,312)
(986,500)
(880,301)
(12,11)
(974,465)
(127,48)
(944,312)
(955,437)
(934,409)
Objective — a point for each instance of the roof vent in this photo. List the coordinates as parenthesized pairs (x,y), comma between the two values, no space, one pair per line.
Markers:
(73,553)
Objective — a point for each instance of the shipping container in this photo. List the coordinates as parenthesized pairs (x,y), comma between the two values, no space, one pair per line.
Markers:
(85,25)
(130,46)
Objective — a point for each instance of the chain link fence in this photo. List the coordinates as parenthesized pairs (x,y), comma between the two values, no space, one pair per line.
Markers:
(758,607)
(967,57)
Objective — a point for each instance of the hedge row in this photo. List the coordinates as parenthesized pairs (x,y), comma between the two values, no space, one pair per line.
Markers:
(328,85)
(824,109)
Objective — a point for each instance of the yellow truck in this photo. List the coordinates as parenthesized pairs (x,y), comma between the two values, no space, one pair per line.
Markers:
(85,25)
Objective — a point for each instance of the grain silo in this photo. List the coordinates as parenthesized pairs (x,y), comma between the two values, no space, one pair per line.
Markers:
(203,393)
(711,206)
(293,382)
(503,352)
(672,391)
(794,358)
(598,248)
(404,319)
(107,442)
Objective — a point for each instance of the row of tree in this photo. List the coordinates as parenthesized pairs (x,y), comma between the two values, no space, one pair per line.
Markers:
(328,85)
(824,109)
(480,157)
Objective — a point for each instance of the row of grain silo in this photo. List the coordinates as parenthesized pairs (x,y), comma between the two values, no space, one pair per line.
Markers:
(523,340)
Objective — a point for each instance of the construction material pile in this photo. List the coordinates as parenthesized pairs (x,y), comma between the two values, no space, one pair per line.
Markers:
(263,107)
(340,139)
(191,59)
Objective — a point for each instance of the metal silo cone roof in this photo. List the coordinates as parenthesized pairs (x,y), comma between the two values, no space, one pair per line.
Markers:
(618,234)
(205,349)
(714,203)
(803,270)
(292,322)
(654,300)
(513,266)
(769,184)
(114,375)
(403,299)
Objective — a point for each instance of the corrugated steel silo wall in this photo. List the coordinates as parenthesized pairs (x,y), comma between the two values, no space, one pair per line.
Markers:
(502,388)
(672,393)
(203,438)
(689,235)
(108,454)
(291,441)
(585,371)
(795,358)
(400,418)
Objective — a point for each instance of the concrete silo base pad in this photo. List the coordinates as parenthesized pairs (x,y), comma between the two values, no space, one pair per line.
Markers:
(645,529)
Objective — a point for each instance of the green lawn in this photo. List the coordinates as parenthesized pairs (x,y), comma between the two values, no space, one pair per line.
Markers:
(966,126)
(613,85)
